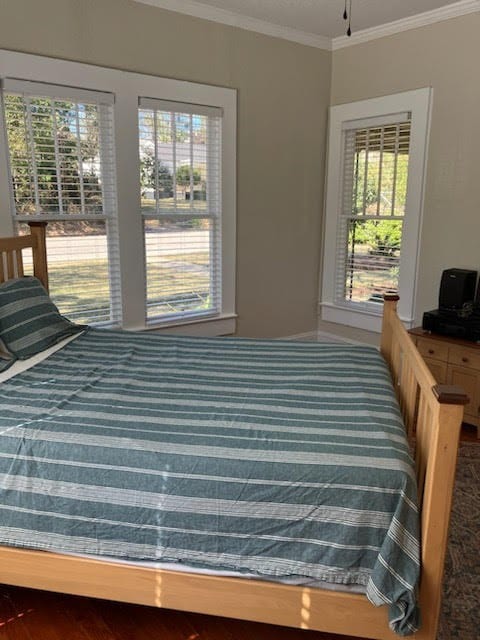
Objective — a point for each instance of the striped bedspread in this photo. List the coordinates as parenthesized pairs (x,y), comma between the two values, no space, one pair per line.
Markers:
(269,457)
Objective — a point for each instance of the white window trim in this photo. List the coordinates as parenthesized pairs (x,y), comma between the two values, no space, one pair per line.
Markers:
(418,102)
(127,88)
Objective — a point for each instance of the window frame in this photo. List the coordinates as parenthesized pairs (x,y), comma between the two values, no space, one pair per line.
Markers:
(127,88)
(212,211)
(104,103)
(418,103)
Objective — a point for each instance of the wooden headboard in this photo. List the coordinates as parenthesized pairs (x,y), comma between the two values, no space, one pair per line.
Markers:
(11,260)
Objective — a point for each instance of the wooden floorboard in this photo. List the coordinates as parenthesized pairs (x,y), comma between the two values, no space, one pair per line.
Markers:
(26,614)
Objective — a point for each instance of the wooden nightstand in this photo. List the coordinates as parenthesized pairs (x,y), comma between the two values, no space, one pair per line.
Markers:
(453,361)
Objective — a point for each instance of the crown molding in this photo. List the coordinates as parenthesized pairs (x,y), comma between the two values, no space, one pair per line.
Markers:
(214,14)
(421,20)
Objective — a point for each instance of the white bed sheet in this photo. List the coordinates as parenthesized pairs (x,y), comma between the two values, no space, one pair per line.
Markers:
(184,568)
(23,365)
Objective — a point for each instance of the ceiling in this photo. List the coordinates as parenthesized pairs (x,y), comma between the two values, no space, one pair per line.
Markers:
(318,19)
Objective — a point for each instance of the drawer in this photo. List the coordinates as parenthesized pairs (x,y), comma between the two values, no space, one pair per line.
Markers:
(433,349)
(469,380)
(438,369)
(464,357)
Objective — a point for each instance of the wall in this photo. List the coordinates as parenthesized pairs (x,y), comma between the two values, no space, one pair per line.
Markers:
(283,95)
(444,56)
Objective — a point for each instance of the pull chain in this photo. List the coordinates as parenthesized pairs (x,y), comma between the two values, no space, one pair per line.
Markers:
(347,15)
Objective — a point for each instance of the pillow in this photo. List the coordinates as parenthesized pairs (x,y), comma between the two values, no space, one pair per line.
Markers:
(29,321)
(4,352)
(6,358)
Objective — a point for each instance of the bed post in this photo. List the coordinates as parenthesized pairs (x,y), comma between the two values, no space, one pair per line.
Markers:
(39,250)
(389,312)
(442,448)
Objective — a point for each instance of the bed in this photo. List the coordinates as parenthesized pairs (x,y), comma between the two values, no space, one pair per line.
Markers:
(430,412)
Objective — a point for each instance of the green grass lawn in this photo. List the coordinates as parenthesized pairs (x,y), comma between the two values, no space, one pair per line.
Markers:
(175,283)
(149,206)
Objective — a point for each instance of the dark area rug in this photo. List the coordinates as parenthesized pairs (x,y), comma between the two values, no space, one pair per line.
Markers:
(461,592)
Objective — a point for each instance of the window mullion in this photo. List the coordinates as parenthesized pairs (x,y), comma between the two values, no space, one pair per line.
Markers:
(130,228)
(108,171)
(216,225)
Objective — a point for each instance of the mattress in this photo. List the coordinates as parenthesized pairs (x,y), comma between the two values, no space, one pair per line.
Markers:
(275,459)
(23,365)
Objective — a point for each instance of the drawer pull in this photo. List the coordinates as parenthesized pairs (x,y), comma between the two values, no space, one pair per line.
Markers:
(464,359)
(431,352)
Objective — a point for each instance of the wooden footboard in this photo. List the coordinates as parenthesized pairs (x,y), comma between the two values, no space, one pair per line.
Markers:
(433,418)
(431,412)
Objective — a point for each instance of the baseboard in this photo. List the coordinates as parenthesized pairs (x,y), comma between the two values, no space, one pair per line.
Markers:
(317,336)
(310,336)
(346,334)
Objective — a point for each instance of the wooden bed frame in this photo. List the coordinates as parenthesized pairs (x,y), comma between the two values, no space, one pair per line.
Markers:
(433,413)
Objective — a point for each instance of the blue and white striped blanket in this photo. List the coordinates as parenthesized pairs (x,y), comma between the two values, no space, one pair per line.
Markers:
(272,457)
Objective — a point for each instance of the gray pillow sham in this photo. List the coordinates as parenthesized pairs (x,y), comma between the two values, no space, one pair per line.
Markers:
(29,321)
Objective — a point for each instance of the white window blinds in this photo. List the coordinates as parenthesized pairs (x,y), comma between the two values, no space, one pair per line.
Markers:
(180,165)
(62,170)
(369,239)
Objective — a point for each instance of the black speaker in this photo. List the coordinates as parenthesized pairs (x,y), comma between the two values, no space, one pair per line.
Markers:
(457,288)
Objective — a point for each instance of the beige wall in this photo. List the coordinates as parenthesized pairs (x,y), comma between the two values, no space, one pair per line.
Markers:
(283,95)
(444,56)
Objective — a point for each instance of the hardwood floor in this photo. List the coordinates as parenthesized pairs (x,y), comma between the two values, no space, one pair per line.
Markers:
(26,614)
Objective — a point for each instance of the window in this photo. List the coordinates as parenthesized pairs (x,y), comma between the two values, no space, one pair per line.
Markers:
(374,201)
(139,192)
(180,164)
(371,219)
(60,150)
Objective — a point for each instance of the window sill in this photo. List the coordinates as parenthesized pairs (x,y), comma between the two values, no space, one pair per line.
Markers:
(356,317)
(208,327)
